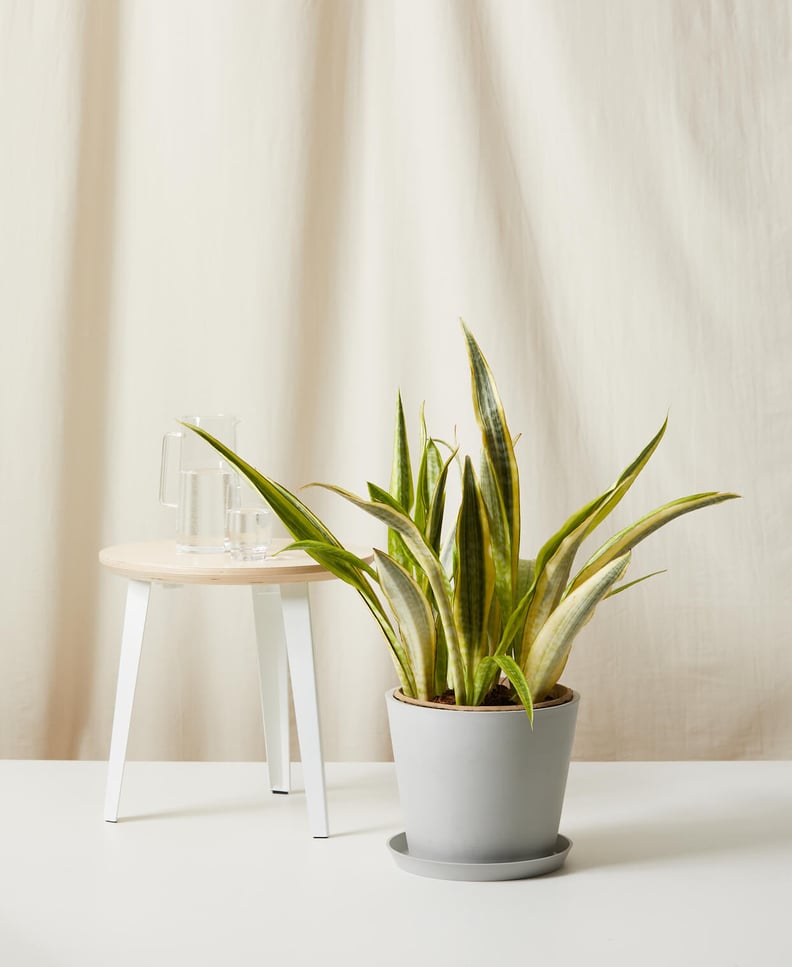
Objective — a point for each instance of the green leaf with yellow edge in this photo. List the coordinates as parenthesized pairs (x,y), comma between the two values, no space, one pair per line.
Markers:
(476,576)
(429,471)
(514,673)
(500,535)
(526,586)
(416,622)
(304,525)
(510,634)
(626,539)
(631,584)
(429,563)
(339,558)
(396,546)
(434,520)
(627,478)
(298,520)
(496,438)
(596,510)
(401,482)
(545,661)
(551,580)
(441,661)
(338,561)
(556,558)
(383,496)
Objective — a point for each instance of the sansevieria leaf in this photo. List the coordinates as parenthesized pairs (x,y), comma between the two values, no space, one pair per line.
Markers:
(383,496)
(396,546)
(545,661)
(500,535)
(626,539)
(298,520)
(496,438)
(434,518)
(487,671)
(631,584)
(476,579)
(510,634)
(429,470)
(456,604)
(514,673)
(415,620)
(441,661)
(627,478)
(338,558)
(304,525)
(556,558)
(526,588)
(428,561)
(338,561)
(596,510)
(401,483)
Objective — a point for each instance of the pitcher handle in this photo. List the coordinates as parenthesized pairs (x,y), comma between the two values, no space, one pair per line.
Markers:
(168,448)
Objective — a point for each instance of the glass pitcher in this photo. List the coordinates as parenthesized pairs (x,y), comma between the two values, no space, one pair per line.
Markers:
(203,484)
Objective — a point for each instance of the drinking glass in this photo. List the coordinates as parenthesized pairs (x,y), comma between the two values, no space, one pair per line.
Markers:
(249,532)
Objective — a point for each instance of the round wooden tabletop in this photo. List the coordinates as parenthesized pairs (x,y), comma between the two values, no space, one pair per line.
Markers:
(160,561)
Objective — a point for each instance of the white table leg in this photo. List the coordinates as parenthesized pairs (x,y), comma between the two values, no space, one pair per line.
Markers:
(299,645)
(274,682)
(131,643)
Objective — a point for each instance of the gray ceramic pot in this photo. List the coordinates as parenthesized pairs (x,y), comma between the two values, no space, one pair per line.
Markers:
(479,785)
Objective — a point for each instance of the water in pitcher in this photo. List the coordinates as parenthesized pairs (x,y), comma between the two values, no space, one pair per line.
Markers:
(204,495)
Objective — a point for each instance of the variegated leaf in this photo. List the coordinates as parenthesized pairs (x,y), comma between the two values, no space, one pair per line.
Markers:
(594,512)
(429,471)
(552,579)
(396,546)
(499,533)
(628,477)
(415,620)
(434,520)
(298,520)
(487,674)
(401,483)
(476,576)
(626,539)
(514,673)
(427,559)
(546,659)
(441,661)
(304,525)
(338,557)
(497,439)
(339,561)
(631,584)
(556,558)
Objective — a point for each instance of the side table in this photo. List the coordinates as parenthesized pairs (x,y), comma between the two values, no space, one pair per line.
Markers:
(285,648)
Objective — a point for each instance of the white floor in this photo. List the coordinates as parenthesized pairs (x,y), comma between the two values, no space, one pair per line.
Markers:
(672,864)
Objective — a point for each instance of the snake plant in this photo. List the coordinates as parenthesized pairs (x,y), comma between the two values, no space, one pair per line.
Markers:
(459,608)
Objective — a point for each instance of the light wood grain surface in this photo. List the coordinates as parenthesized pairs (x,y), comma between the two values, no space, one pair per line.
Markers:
(160,561)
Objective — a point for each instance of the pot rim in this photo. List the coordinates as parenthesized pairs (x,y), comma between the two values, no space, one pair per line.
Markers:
(562,695)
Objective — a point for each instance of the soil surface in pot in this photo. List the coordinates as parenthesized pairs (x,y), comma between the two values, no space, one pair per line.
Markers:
(499,696)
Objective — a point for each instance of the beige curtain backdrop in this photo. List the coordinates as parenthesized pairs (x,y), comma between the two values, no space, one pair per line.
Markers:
(280,210)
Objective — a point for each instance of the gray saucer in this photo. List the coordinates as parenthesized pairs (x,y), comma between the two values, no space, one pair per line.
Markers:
(514,870)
